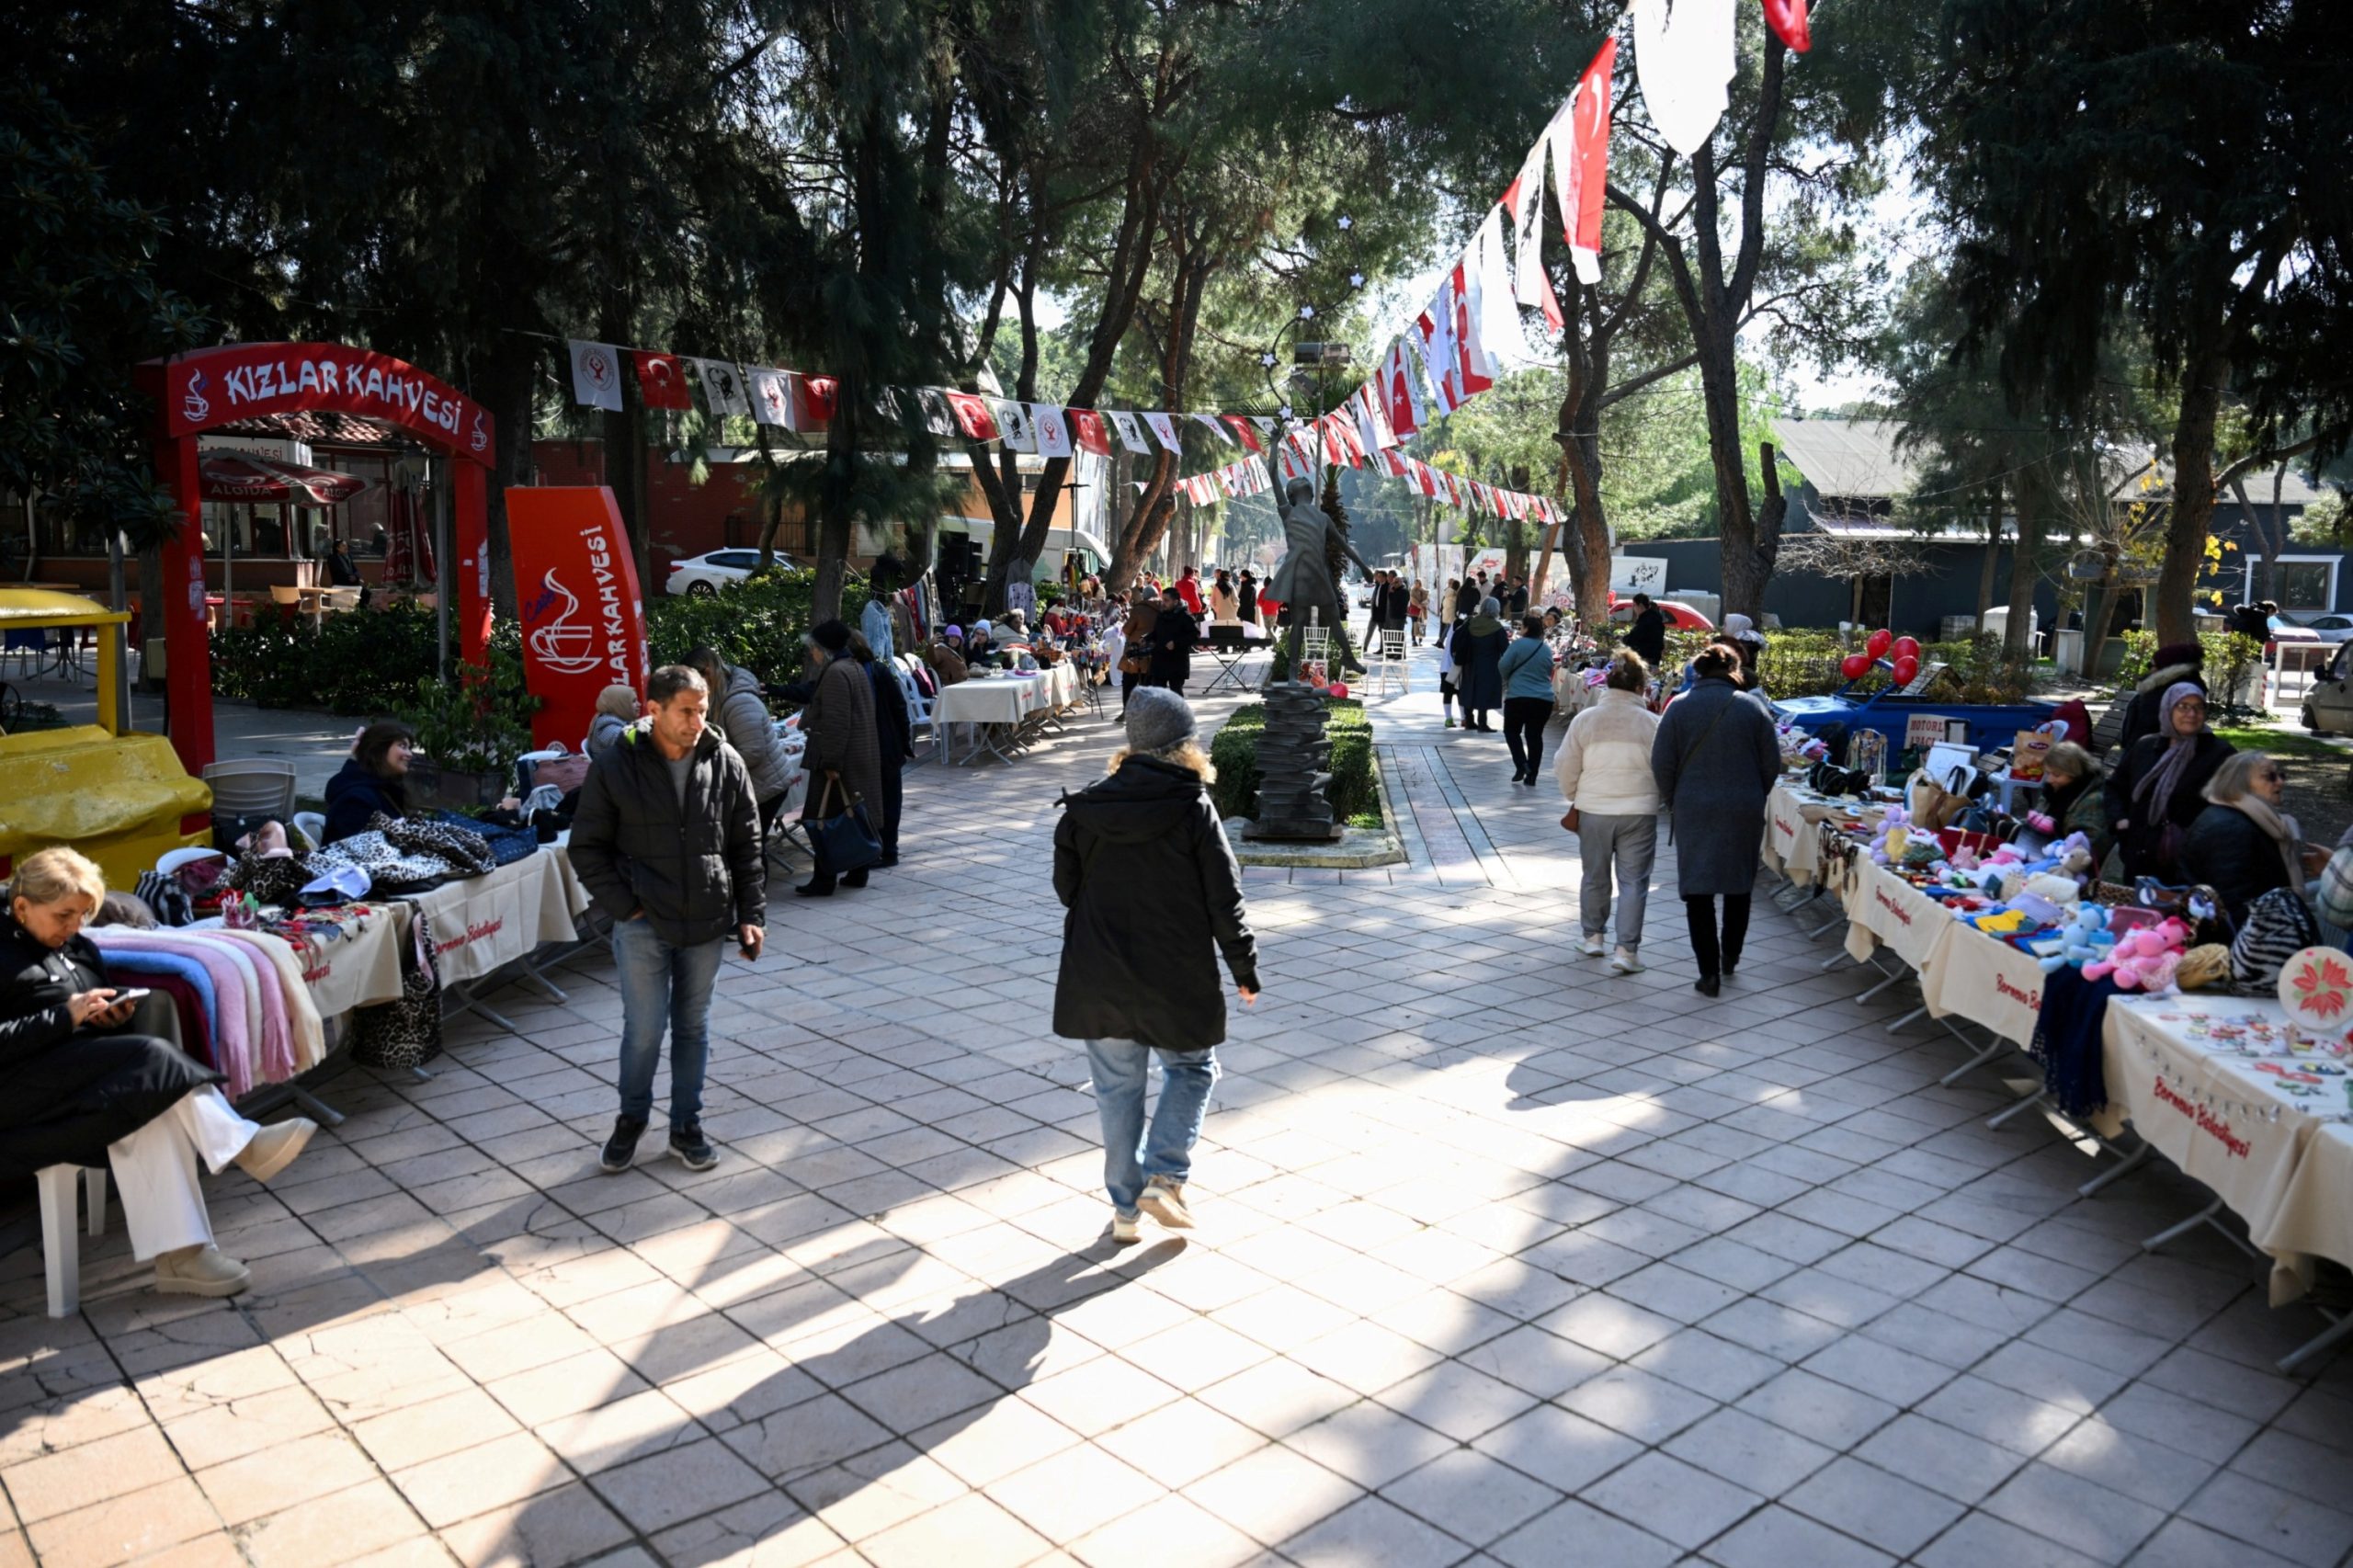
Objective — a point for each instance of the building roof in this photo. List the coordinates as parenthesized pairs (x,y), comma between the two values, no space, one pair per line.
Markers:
(319,430)
(1848,457)
(1858,459)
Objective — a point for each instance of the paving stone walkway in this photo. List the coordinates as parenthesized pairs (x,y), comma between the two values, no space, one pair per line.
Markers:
(1503,1260)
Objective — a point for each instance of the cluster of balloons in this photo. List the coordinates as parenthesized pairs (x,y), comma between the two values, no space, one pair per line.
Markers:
(1903,655)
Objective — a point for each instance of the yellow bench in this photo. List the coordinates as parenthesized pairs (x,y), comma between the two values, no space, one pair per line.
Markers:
(121,800)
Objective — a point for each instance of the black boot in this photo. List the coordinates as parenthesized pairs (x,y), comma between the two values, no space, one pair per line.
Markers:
(854,879)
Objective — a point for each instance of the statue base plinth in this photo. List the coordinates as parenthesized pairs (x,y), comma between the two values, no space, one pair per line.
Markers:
(1296,831)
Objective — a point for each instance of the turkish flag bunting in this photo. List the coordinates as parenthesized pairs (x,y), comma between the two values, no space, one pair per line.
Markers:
(1787,19)
(1579,135)
(973,415)
(1088,429)
(1242,428)
(1396,394)
(816,395)
(661,380)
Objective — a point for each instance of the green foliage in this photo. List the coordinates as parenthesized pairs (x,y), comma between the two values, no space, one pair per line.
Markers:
(756,623)
(2232,658)
(480,721)
(365,663)
(1356,798)
(79,306)
(1805,663)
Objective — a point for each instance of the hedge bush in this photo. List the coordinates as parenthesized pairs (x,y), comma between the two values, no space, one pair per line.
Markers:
(366,662)
(1356,798)
(758,623)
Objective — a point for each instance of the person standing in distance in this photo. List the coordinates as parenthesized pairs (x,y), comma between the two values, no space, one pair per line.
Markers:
(1154,895)
(667,839)
(1648,635)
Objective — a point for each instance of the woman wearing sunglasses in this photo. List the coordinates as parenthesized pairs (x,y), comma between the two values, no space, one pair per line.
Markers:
(2243,844)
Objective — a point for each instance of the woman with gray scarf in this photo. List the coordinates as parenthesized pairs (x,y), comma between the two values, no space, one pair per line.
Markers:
(2159,789)
(2242,845)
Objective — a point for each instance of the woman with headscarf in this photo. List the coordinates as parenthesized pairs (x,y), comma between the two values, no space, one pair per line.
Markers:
(2159,790)
(2171,665)
(1742,634)
(1478,648)
(2243,844)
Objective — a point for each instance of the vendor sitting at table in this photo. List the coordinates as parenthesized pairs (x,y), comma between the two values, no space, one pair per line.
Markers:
(2073,801)
(2243,844)
(95,1077)
(374,780)
(946,656)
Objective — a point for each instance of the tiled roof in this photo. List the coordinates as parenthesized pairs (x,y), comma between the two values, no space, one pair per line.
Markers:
(319,430)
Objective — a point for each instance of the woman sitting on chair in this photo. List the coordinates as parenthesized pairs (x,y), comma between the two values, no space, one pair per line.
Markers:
(95,1077)
(374,780)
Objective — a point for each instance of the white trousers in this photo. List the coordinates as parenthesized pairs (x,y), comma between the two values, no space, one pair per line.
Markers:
(154,1169)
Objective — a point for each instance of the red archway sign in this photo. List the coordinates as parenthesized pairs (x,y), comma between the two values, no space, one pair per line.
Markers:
(212,387)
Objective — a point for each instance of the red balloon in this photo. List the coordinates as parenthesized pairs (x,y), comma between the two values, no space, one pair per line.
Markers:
(1855,666)
(1877,644)
(1905,648)
(1906,668)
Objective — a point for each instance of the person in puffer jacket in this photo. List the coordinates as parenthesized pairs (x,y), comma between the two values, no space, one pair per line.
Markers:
(739,707)
(1605,774)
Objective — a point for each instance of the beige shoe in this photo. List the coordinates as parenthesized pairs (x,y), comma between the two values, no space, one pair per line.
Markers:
(1165,1200)
(275,1146)
(200,1271)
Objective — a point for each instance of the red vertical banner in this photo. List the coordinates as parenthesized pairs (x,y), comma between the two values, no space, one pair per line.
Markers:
(188,645)
(583,620)
(469,490)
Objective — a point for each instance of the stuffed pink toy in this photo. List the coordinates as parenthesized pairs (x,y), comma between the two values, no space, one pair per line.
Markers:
(2144,960)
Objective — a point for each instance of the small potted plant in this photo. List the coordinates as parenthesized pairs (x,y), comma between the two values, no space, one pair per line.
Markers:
(468,733)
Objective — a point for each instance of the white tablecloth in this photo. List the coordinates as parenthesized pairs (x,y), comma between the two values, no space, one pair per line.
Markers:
(1885,910)
(1006,698)
(1793,818)
(1986,980)
(483,922)
(362,967)
(2216,1112)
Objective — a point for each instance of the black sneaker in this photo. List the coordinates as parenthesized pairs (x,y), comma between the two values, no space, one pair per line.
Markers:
(620,1149)
(691,1148)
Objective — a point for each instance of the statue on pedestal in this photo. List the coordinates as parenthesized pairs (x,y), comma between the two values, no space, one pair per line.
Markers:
(1294,795)
(1305,581)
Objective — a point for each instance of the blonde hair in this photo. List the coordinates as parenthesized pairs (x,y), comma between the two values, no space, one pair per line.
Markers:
(2236,778)
(618,702)
(53,875)
(1185,753)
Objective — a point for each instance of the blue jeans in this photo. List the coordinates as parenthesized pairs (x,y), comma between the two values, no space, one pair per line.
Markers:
(663,985)
(1133,1153)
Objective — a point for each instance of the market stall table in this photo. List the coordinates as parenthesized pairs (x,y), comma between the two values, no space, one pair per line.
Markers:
(483,925)
(999,705)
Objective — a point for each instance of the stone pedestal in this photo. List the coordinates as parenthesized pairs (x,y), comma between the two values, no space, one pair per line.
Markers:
(1295,793)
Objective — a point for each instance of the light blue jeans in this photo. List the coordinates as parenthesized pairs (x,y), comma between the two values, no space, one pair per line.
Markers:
(662,986)
(1133,1154)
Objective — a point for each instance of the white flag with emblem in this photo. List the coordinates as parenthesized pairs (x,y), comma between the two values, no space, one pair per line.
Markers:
(722,386)
(596,375)
(1130,433)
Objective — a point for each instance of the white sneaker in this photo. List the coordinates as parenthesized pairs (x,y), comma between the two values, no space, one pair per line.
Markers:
(1127,1229)
(1591,947)
(1623,961)
(200,1271)
(1165,1201)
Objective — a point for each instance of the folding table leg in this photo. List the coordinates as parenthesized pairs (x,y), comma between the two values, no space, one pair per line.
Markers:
(2340,1326)
(2113,1172)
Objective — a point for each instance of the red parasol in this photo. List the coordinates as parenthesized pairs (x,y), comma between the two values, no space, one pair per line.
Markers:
(408,548)
(243,476)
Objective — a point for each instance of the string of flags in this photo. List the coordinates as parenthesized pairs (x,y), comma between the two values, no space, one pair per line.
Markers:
(1453,351)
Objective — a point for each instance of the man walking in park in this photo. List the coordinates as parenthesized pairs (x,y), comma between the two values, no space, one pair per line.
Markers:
(667,839)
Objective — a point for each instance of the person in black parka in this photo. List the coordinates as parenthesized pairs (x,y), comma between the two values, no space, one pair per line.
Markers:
(1154,895)
(1478,650)
(1715,758)
(1174,634)
(94,1080)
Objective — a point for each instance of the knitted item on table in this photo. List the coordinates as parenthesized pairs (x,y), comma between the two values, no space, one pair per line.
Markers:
(2067,1042)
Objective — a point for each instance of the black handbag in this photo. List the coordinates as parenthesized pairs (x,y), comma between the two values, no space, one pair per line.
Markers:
(844,841)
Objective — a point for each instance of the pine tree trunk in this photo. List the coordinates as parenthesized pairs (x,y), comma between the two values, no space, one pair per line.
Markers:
(2023,549)
(1993,552)
(2193,496)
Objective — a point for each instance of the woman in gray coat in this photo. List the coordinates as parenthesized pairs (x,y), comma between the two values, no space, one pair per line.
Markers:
(1715,758)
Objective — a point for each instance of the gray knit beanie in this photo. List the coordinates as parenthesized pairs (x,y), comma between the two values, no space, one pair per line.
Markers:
(1158,719)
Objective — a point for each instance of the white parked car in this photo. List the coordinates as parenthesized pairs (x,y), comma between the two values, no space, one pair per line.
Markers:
(704,574)
(2331,628)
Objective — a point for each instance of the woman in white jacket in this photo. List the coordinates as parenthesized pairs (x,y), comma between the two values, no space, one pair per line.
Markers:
(1605,773)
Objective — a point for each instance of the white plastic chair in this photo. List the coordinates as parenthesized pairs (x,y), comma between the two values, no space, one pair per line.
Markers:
(313,826)
(918,705)
(252,787)
(1388,661)
(61,1248)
